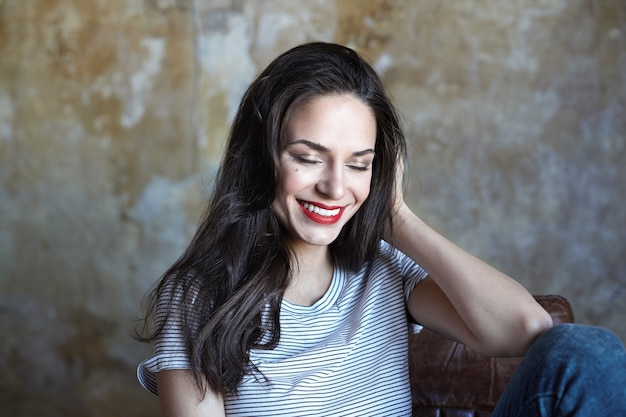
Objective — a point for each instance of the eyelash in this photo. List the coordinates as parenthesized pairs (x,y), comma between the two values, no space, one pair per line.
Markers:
(303,160)
(359,168)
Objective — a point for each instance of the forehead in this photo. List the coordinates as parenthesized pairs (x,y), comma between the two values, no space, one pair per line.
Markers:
(332,119)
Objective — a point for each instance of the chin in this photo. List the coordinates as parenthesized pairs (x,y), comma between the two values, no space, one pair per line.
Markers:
(317,240)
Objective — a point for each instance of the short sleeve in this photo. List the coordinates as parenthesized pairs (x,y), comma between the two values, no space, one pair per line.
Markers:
(165,360)
(169,352)
(411,273)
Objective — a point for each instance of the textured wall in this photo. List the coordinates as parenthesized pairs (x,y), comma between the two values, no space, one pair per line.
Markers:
(113,114)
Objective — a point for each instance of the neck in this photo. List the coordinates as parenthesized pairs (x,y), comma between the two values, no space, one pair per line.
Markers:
(313,273)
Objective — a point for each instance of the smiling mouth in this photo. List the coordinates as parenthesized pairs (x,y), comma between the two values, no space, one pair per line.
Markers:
(320,214)
(321,211)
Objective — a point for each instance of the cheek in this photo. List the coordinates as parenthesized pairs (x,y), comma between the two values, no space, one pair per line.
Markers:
(287,185)
(363,190)
(291,182)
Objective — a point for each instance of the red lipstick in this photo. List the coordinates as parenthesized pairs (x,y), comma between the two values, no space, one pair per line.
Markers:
(322,214)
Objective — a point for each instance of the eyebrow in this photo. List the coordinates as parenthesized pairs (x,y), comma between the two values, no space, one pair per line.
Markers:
(321,148)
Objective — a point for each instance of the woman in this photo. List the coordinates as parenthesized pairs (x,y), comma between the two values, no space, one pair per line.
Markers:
(292,298)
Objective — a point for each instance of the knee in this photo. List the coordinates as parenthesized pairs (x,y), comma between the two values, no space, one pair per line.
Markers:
(582,335)
(576,342)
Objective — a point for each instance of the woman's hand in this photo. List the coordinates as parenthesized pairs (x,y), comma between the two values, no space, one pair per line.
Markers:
(398,204)
(398,195)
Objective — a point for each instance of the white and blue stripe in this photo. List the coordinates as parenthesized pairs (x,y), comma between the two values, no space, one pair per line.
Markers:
(345,355)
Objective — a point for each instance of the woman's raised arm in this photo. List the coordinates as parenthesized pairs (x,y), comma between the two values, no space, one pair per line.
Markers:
(465,298)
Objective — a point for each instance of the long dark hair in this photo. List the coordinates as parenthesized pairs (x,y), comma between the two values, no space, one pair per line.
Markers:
(238,264)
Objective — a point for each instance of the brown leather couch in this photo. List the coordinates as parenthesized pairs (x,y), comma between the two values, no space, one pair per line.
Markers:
(449,380)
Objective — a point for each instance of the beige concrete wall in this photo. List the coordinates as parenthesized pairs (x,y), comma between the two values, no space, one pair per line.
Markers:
(113,114)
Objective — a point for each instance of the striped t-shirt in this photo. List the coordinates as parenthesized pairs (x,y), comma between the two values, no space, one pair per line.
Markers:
(346,355)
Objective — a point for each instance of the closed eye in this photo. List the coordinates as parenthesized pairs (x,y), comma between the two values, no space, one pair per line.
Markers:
(359,167)
(360,164)
(304,160)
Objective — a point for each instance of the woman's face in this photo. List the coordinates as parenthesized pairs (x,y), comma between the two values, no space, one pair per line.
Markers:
(325,167)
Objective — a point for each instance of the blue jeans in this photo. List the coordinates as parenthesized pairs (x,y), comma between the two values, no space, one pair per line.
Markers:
(570,370)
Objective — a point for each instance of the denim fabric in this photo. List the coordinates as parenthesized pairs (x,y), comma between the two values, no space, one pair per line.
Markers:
(570,370)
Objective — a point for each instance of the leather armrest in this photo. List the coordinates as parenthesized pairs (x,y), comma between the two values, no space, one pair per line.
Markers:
(447,375)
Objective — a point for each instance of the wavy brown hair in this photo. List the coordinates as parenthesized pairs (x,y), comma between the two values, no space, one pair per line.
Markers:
(238,264)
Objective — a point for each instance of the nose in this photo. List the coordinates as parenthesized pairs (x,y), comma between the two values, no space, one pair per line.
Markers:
(333,182)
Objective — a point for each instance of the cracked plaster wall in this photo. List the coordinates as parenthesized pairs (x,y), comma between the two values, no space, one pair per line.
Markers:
(113,114)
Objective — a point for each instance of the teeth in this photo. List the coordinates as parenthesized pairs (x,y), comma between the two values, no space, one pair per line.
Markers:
(320,211)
